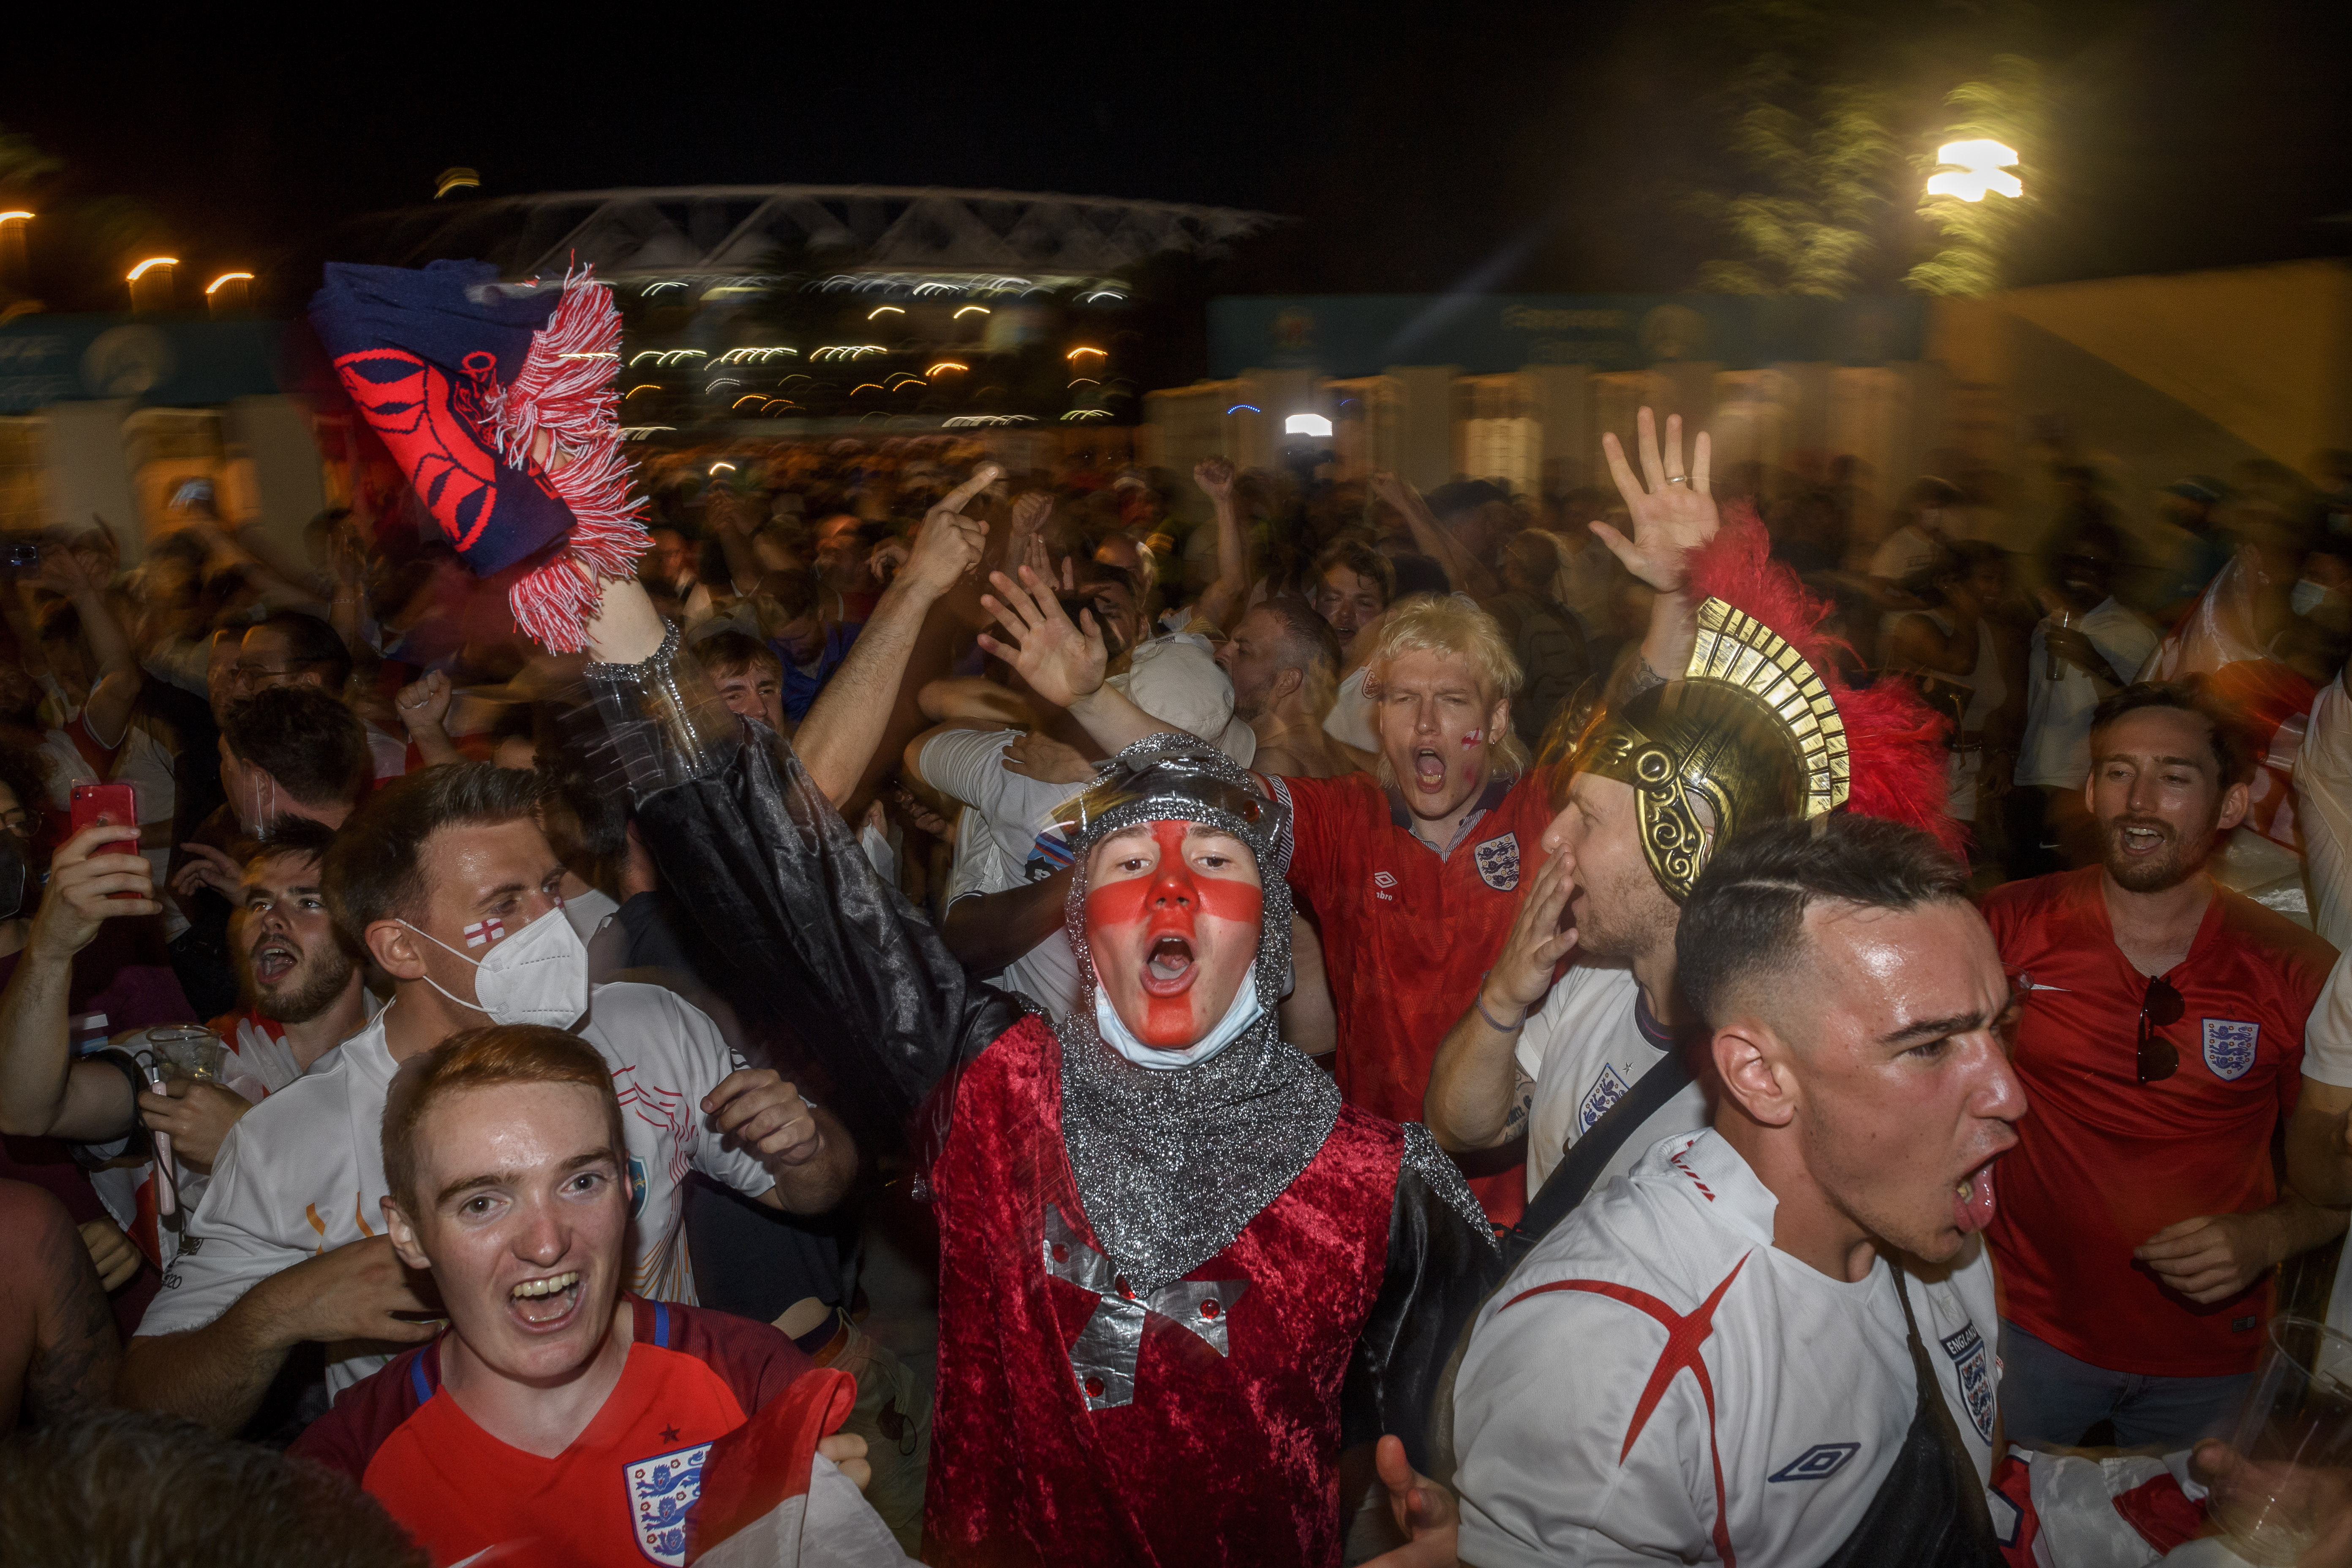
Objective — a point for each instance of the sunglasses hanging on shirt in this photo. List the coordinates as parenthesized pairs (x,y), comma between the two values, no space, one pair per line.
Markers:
(2159,1058)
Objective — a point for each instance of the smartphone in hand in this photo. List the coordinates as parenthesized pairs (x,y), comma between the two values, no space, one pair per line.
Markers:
(105,805)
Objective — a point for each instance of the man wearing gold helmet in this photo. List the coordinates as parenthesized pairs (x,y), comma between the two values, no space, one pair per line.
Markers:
(1755,726)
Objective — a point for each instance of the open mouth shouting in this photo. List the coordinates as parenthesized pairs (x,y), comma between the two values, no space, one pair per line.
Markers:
(274,959)
(546,1303)
(2138,839)
(1972,1199)
(1168,967)
(1429,768)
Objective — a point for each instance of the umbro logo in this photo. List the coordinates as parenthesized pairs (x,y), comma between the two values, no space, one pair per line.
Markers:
(1382,879)
(1818,1463)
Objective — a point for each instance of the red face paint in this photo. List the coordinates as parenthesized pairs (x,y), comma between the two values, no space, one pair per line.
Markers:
(1125,920)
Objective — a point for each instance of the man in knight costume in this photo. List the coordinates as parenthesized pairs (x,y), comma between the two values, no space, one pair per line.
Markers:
(1177,1274)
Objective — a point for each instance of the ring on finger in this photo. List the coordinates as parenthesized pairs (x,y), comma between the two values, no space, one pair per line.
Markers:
(1677,478)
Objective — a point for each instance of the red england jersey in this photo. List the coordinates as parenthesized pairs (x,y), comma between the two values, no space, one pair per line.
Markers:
(2103,1161)
(1407,932)
(620,1494)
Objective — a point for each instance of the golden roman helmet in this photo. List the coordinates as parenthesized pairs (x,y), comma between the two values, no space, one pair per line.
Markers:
(1750,733)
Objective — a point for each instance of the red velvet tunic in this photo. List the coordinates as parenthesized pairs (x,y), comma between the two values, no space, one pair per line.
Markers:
(1228,1458)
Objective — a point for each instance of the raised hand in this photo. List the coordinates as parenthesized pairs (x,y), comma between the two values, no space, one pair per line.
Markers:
(1215,475)
(1060,661)
(950,543)
(1672,511)
(1523,970)
(82,877)
(424,702)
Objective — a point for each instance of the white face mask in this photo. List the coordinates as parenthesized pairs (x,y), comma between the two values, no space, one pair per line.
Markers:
(2306,595)
(538,975)
(589,912)
(1240,1012)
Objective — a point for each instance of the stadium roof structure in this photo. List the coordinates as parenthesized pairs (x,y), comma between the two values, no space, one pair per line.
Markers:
(721,231)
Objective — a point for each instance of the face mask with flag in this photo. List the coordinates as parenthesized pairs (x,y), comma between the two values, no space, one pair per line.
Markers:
(497,402)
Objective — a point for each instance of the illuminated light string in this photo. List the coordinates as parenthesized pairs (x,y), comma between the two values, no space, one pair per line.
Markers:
(1085,381)
(1082,350)
(1088,413)
(945,365)
(722,381)
(647,386)
(149,265)
(967,311)
(1237,408)
(16,217)
(884,311)
(716,466)
(224,277)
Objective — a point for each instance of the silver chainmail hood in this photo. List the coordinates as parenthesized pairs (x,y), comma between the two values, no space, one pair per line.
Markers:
(1173,1164)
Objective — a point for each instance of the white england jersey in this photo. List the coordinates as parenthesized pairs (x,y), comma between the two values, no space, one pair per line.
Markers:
(1585,1048)
(1657,1382)
(302,1172)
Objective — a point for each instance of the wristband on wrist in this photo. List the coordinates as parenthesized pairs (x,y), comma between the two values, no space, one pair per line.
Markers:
(1492,1022)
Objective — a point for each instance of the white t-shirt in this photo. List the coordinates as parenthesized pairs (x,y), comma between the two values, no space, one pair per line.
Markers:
(1048,973)
(302,1172)
(1909,550)
(2323,812)
(2057,749)
(1350,719)
(1811,1379)
(1586,1046)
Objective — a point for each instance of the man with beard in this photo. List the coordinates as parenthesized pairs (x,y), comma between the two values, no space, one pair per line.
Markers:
(300,994)
(1648,788)
(2162,1046)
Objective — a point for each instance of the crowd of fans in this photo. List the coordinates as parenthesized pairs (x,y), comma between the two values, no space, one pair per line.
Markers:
(2149,743)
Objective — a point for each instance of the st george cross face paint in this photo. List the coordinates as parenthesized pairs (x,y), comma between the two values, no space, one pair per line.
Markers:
(1173,918)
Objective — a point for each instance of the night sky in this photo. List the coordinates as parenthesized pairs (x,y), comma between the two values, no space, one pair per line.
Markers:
(1534,147)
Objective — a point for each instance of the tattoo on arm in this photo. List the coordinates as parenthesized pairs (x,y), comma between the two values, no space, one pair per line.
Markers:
(1523,1104)
(75,1361)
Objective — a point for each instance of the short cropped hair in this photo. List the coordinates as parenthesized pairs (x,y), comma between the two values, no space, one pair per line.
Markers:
(305,739)
(480,1058)
(1746,914)
(312,644)
(732,653)
(303,835)
(1447,622)
(1362,560)
(2225,730)
(199,1498)
(1303,641)
(376,868)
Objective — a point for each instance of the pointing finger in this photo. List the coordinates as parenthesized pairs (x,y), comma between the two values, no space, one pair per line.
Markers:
(986,475)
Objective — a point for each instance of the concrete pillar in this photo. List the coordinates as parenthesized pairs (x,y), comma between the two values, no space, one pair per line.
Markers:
(88,471)
(1560,401)
(1424,425)
(272,434)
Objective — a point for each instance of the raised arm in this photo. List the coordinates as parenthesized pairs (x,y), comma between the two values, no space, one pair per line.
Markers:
(1221,599)
(1673,514)
(107,711)
(1062,662)
(1469,573)
(44,1092)
(1478,1098)
(845,724)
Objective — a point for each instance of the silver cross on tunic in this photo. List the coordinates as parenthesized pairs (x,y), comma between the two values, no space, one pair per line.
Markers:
(1103,1358)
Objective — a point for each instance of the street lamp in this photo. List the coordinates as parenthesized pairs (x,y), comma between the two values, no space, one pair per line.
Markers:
(1314,426)
(228,293)
(1977,167)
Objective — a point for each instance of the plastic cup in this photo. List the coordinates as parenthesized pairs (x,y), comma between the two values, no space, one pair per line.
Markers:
(188,1051)
(2297,1429)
